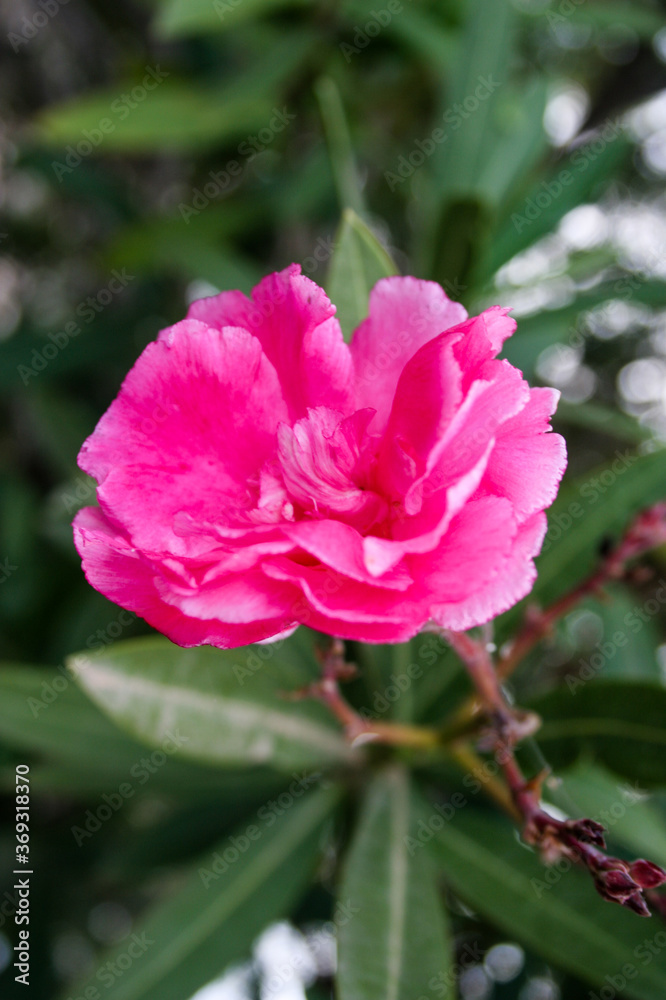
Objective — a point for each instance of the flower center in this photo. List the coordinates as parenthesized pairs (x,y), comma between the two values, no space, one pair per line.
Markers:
(325,460)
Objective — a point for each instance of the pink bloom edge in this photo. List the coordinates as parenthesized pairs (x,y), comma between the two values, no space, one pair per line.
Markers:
(255,472)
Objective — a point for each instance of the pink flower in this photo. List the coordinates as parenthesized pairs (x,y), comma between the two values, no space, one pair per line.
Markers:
(255,472)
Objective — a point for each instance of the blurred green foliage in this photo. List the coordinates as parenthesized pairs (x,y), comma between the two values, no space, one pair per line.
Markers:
(153,151)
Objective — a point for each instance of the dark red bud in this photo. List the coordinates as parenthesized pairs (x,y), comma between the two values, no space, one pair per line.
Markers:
(589,831)
(636,903)
(618,883)
(647,874)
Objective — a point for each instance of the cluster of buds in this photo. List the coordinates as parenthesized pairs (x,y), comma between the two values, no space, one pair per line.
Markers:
(624,882)
(618,881)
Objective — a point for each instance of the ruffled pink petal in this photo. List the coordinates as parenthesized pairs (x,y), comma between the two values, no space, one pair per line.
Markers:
(330,593)
(423,531)
(194,421)
(358,631)
(482,339)
(213,559)
(512,581)
(323,468)
(235,598)
(341,547)
(426,398)
(489,403)
(528,460)
(404,314)
(499,326)
(470,554)
(255,472)
(295,323)
(115,568)
(443,437)
(476,544)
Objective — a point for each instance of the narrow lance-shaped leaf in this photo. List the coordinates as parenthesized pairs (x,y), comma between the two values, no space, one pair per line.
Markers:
(455,214)
(644,20)
(227,705)
(231,895)
(396,939)
(622,725)
(588,512)
(160,112)
(74,747)
(173,116)
(481,72)
(581,177)
(597,505)
(555,912)
(176,18)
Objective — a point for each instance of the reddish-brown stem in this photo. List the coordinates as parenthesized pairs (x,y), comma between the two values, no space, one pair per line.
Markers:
(540,624)
(475,657)
(358,729)
(580,840)
(646,531)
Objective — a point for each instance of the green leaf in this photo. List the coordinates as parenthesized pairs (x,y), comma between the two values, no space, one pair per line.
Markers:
(420,31)
(457,216)
(42,710)
(520,139)
(177,18)
(590,509)
(79,751)
(229,705)
(224,905)
(168,247)
(359,261)
(418,681)
(483,64)
(602,419)
(199,248)
(632,654)
(622,725)
(567,325)
(581,177)
(559,915)
(175,116)
(398,941)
